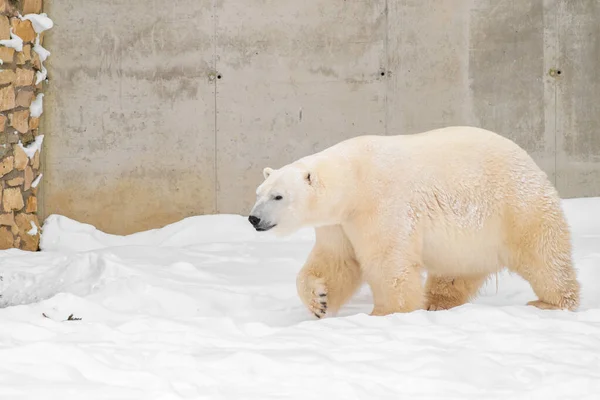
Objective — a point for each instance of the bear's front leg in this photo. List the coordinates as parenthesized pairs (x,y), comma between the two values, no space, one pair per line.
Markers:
(313,291)
(446,292)
(390,259)
(396,287)
(331,275)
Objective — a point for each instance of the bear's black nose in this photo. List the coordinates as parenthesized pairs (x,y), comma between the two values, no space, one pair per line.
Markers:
(254,220)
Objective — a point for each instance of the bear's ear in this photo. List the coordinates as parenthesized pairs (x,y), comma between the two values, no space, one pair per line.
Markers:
(309,177)
(267,171)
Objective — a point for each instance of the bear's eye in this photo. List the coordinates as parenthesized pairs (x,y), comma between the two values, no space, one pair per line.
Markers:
(278,197)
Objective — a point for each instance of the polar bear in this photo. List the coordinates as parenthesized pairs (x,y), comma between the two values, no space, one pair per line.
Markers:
(460,203)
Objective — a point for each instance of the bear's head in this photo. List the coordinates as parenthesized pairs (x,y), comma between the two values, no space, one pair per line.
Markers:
(301,194)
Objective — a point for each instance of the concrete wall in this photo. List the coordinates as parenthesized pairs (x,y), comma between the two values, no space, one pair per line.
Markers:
(151,119)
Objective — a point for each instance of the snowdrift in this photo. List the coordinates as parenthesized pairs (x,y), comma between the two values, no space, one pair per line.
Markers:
(207,308)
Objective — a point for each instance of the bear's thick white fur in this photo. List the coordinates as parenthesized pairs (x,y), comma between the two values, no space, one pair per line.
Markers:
(461,203)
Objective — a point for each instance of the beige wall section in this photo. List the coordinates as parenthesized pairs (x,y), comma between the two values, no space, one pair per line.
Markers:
(507,77)
(130,113)
(295,78)
(139,135)
(428,59)
(471,63)
(578,98)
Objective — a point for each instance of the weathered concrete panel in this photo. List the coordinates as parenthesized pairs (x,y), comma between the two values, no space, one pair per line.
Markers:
(140,135)
(578,98)
(506,74)
(470,63)
(296,77)
(130,112)
(428,59)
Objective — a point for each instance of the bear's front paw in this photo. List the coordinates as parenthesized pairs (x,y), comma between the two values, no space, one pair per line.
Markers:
(317,296)
(437,307)
(440,304)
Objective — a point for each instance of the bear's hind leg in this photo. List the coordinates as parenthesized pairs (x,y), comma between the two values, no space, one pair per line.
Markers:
(554,282)
(444,292)
(331,275)
(545,262)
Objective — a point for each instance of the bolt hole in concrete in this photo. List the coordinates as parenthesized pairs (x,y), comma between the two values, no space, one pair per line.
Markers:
(219,76)
(558,72)
(382,73)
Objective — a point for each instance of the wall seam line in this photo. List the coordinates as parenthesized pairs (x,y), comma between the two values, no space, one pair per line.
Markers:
(556,59)
(215,89)
(387,69)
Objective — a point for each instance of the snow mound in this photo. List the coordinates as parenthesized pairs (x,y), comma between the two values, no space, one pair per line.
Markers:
(64,234)
(207,308)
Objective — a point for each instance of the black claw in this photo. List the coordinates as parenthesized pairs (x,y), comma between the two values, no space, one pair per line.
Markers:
(324,303)
(317,315)
(322,294)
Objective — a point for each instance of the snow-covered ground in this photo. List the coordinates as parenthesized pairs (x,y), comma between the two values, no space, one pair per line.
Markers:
(207,309)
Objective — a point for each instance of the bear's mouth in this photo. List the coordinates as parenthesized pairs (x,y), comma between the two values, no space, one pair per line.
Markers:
(265,228)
